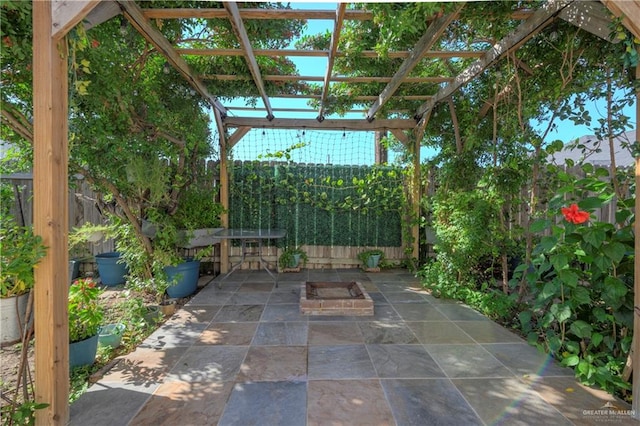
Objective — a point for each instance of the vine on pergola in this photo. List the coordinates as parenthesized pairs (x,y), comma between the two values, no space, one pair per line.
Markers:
(138,132)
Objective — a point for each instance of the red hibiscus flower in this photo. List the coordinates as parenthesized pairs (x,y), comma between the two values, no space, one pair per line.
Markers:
(574,215)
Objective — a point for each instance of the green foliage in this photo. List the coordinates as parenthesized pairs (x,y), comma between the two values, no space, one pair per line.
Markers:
(364,256)
(23,414)
(85,309)
(288,255)
(198,208)
(319,204)
(20,252)
(581,284)
(465,225)
(444,284)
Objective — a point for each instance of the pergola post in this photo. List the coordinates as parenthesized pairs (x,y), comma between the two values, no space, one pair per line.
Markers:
(635,357)
(415,229)
(224,191)
(50,204)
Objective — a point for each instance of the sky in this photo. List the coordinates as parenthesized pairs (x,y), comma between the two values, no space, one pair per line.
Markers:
(565,131)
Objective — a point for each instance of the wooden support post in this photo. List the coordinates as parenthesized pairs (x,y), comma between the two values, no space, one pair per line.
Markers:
(50,218)
(224,192)
(635,356)
(415,230)
(381,154)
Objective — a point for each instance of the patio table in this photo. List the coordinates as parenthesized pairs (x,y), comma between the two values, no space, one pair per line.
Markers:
(248,237)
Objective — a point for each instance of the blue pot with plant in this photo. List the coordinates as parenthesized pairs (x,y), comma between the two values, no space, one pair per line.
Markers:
(183,278)
(111,268)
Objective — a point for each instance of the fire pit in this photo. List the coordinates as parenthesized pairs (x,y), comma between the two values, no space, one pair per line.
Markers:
(335,298)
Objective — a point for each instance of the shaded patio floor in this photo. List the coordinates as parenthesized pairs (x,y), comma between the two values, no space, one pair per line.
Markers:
(244,355)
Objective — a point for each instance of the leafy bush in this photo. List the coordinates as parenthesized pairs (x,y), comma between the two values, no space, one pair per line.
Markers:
(581,284)
(465,227)
(445,284)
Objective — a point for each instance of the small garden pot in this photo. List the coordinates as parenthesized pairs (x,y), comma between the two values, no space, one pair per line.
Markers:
(83,352)
(153,315)
(111,271)
(295,261)
(168,308)
(185,276)
(111,335)
(373,260)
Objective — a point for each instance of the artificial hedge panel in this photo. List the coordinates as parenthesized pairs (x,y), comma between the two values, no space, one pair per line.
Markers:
(319,204)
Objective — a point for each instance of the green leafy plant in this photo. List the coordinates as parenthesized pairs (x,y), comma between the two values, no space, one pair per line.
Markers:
(23,414)
(198,209)
(85,309)
(20,252)
(364,256)
(287,257)
(581,279)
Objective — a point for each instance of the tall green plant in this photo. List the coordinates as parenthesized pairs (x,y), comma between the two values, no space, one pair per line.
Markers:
(581,283)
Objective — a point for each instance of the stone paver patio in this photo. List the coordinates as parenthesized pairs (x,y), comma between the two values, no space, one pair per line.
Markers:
(244,355)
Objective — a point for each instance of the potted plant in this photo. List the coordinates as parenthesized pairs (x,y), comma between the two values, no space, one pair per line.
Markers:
(110,335)
(20,252)
(112,268)
(371,258)
(85,318)
(155,287)
(183,277)
(291,258)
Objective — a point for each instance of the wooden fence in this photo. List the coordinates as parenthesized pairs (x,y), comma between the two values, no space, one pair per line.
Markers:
(83,209)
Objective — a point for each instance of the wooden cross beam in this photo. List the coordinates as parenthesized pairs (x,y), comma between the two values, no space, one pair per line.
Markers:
(432,34)
(243,38)
(540,19)
(335,39)
(134,15)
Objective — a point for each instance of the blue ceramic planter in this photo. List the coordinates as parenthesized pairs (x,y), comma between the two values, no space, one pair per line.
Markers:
(83,352)
(111,335)
(373,260)
(186,276)
(111,272)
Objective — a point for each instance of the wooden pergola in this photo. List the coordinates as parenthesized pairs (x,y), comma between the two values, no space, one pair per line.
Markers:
(52,20)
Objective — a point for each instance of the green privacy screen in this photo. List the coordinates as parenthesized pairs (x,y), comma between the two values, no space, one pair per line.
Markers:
(319,204)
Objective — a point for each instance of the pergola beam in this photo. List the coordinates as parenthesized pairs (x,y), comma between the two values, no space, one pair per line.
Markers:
(434,31)
(210,13)
(134,15)
(270,77)
(354,15)
(328,124)
(356,98)
(238,135)
(541,18)
(243,38)
(66,15)
(335,40)
(372,54)
(629,10)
